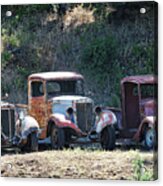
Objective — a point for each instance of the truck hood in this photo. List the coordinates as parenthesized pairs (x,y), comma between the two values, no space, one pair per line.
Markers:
(61,103)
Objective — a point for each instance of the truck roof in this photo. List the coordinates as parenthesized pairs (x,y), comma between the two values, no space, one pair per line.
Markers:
(141,79)
(56,76)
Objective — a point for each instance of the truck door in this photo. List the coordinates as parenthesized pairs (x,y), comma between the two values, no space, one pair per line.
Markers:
(131,105)
(37,106)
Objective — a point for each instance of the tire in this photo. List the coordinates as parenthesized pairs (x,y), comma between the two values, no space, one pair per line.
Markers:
(67,139)
(32,143)
(57,138)
(149,138)
(108,138)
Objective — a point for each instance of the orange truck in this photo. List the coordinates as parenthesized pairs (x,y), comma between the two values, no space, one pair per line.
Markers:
(65,116)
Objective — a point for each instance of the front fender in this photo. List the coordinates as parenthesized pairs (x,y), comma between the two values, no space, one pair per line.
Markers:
(61,122)
(29,125)
(107,118)
(149,121)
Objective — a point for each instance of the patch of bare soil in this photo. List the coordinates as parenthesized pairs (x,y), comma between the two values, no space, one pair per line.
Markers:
(83,164)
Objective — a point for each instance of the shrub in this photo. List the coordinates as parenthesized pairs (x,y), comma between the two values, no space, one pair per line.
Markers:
(140,171)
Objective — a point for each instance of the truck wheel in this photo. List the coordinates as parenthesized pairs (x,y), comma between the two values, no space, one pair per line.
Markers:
(108,138)
(150,138)
(32,143)
(57,138)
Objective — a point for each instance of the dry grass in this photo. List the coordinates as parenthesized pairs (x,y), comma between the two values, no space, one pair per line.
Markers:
(78,16)
(74,164)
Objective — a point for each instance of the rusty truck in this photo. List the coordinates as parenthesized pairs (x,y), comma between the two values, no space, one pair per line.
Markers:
(17,128)
(53,97)
(137,119)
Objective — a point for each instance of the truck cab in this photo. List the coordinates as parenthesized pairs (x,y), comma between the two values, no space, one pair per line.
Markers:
(44,87)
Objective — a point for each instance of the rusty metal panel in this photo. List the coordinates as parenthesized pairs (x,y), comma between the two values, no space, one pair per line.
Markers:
(49,108)
(37,105)
(142,79)
(37,109)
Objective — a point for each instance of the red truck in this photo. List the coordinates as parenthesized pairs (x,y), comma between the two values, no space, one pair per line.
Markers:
(137,120)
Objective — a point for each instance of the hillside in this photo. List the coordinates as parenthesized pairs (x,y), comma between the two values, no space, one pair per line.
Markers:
(103,41)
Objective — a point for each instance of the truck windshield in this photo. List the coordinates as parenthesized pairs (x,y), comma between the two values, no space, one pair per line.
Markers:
(60,87)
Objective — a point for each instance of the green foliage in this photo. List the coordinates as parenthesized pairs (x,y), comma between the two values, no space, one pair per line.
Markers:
(98,58)
(104,51)
(99,63)
(11,40)
(140,172)
(5,88)
(6,57)
(19,83)
(143,58)
(26,10)
(114,100)
(23,71)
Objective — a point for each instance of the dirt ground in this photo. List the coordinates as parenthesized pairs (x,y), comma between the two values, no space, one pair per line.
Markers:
(76,163)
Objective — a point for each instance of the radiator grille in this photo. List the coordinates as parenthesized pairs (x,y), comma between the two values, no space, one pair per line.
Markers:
(8,122)
(84,116)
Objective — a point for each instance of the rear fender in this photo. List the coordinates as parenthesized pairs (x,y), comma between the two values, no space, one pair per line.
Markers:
(106,119)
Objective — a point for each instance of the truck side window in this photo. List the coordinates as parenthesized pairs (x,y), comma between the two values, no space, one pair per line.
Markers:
(37,89)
